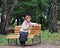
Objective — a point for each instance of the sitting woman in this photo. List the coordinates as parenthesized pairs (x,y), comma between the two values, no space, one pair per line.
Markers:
(26,25)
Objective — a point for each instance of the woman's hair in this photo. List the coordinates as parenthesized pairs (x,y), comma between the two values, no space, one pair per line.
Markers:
(27,16)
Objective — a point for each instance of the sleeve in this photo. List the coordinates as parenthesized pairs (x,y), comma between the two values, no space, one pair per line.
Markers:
(34,24)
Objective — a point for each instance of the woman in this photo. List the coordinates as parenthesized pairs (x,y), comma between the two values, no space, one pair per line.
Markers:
(26,25)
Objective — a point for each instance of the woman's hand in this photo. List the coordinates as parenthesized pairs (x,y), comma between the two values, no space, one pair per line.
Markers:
(30,25)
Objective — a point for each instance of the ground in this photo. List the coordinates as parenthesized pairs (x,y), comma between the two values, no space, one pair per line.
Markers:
(36,46)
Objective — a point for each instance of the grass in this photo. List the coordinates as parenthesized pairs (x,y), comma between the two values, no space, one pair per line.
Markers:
(3,40)
(45,36)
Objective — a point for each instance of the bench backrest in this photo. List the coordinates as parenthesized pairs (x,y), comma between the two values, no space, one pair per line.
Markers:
(34,30)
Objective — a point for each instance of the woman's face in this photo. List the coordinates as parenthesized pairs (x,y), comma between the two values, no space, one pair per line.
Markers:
(28,19)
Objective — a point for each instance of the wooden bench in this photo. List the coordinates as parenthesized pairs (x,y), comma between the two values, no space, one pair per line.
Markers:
(34,31)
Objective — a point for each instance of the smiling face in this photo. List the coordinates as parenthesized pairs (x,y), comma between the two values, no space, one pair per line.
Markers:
(28,18)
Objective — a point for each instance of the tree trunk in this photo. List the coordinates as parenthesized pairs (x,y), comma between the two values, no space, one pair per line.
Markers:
(5,18)
(53,16)
(17,21)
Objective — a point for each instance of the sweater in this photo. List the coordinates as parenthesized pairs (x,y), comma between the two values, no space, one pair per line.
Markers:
(25,27)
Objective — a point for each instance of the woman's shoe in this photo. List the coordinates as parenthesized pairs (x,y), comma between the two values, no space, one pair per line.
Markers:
(23,45)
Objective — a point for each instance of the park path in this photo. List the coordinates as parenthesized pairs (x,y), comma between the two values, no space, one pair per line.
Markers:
(36,46)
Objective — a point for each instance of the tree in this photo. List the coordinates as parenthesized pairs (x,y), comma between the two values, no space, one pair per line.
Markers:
(5,18)
(53,16)
(32,7)
(58,9)
(11,10)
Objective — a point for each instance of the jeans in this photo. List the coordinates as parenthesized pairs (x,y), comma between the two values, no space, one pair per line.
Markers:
(23,37)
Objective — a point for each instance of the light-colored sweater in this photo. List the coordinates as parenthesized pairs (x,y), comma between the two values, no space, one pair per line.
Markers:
(25,27)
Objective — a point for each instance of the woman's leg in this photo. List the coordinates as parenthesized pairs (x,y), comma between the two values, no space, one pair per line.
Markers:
(23,38)
(23,43)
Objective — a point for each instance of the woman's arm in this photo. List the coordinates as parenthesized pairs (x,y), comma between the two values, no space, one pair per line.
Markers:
(25,26)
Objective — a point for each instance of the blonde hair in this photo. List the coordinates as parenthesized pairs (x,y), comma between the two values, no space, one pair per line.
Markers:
(27,16)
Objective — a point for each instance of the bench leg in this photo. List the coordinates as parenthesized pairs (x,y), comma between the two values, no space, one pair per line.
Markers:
(32,42)
(8,41)
(40,38)
(16,41)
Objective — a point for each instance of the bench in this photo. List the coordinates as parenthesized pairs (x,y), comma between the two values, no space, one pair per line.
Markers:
(34,31)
